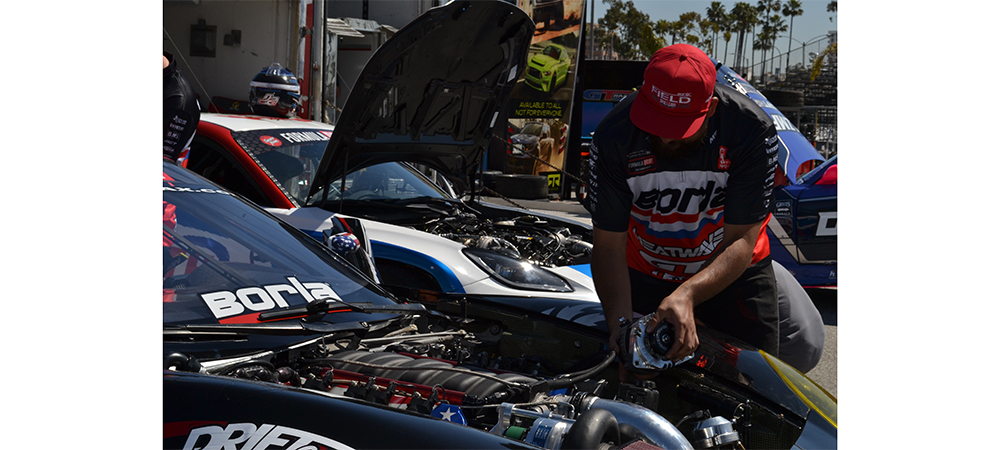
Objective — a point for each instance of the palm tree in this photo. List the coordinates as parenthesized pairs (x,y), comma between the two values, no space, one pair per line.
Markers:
(666,28)
(716,13)
(728,26)
(763,9)
(777,25)
(744,18)
(791,9)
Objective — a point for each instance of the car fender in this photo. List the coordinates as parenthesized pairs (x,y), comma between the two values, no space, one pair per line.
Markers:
(442,258)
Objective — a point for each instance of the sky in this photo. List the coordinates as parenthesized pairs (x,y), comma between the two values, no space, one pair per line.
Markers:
(814,22)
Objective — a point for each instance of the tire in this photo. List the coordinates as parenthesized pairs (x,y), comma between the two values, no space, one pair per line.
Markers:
(490,178)
(527,187)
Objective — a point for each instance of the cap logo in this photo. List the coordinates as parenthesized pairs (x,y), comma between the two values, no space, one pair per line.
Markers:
(669,100)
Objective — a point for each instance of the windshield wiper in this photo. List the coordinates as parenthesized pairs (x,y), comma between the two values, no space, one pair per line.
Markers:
(221,330)
(319,307)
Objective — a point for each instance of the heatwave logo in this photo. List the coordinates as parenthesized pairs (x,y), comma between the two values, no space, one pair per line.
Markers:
(248,436)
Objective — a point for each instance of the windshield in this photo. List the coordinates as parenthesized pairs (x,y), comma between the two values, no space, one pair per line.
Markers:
(385,181)
(532,128)
(290,155)
(225,261)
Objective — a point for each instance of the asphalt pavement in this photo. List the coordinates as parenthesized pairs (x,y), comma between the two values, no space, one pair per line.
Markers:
(824,374)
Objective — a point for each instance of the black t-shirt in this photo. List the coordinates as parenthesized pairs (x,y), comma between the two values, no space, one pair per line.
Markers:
(674,210)
(180,111)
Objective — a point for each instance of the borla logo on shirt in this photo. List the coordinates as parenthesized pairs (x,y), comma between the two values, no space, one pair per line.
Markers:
(723,162)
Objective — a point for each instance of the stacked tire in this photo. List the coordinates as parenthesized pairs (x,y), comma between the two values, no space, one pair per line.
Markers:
(526,187)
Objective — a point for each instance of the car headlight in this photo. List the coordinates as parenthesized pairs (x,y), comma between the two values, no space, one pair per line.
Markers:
(805,389)
(517,273)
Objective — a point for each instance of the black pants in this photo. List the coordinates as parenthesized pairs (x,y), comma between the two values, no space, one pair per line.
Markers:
(746,309)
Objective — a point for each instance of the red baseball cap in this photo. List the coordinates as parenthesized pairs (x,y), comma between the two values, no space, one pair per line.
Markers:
(677,89)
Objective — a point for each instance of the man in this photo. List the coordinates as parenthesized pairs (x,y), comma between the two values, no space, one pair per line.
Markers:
(545,146)
(181,112)
(681,185)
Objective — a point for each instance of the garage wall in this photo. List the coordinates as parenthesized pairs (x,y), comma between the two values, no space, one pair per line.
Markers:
(268,34)
(395,13)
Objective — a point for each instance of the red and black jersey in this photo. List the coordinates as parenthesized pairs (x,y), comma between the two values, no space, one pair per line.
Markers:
(674,209)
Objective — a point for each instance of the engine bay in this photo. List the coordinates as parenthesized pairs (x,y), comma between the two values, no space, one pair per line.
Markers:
(529,237)
(500,377)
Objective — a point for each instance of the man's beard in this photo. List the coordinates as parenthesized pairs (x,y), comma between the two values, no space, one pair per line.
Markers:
(676,149)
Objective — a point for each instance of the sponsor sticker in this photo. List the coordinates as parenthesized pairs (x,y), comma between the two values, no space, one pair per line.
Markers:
(641,165)
(249,436)
(270,140)
(262,298)
(671,100)
(723,162)
(827,225)
(302,136)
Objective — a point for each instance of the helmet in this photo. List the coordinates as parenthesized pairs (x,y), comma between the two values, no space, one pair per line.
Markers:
(274,92)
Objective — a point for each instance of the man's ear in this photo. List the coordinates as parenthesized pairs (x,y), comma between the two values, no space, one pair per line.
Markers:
(711,106)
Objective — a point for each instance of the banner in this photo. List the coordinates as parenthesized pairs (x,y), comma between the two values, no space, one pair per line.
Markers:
(540,105)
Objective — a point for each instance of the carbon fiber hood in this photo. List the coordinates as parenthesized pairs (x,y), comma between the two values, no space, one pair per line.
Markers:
(432,93)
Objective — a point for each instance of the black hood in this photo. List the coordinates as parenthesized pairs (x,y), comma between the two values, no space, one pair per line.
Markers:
(433,92)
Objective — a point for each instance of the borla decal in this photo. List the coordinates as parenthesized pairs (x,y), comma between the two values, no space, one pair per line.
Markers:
(248,436)
(262,298)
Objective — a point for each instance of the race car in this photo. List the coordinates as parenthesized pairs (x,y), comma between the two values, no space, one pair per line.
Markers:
(807,251)
(548,69)
(804,224)
(401,169)
(423,237)
(272,339)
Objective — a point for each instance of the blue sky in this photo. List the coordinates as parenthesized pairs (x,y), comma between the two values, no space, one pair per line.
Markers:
(815,21)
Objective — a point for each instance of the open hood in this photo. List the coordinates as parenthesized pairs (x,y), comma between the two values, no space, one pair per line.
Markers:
(433,92)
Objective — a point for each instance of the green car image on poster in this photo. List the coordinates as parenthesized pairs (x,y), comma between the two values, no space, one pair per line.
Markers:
(548,68)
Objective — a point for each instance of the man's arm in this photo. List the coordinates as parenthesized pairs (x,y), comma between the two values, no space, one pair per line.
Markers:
(611,279)
(722,269)
(610,271)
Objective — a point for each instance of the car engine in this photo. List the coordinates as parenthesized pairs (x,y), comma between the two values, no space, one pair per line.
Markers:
(527,237)
(459,375)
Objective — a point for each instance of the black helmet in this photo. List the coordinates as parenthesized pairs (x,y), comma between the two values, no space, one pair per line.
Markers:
(274,92)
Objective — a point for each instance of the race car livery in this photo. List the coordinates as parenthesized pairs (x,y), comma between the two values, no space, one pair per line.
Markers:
(674,209)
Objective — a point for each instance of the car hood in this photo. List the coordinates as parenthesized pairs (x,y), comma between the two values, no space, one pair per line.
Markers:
(542,61)
(433,92)
(524,138)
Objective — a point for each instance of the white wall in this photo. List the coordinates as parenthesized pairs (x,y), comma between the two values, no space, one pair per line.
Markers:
(269,34)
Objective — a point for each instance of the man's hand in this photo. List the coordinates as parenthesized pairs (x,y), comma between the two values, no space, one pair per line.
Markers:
(677,309)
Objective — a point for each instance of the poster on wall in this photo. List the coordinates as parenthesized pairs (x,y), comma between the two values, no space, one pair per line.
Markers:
(539,107)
